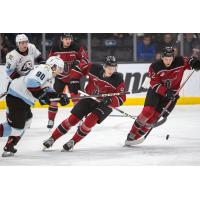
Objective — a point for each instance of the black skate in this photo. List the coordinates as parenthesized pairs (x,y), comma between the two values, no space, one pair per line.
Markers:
(69,146)
(48,143)
(9,151)
(131,140)
(50,124)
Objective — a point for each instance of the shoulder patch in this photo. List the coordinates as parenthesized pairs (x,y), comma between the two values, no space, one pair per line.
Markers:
(10,57)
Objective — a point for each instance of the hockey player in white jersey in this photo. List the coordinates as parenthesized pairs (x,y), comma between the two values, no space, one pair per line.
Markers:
(21,60)
(22,94)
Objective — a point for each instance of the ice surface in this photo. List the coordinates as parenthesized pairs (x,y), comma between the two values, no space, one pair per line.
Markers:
(104,145)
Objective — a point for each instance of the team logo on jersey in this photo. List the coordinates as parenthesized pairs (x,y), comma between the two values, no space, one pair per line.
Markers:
(27,66)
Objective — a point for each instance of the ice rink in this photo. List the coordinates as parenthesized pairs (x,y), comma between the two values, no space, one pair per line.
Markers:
(104,145)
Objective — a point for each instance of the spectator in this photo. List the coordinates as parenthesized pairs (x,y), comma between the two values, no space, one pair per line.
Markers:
(167,41)
(118,35)
(191,45)
(6,45)
(145,49)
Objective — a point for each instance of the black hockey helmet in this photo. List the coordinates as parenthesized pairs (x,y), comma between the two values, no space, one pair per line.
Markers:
(111,61)
(167,52)
(67,35)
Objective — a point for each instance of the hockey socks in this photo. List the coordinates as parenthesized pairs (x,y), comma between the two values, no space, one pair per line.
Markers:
(53,109)
(141,128)
(65,126)
(85,128)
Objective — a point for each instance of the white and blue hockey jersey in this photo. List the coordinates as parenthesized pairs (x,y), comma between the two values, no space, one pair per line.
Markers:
(39,79)
(19,64)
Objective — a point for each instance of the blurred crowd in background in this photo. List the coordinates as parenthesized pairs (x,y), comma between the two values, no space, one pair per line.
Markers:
(127,47)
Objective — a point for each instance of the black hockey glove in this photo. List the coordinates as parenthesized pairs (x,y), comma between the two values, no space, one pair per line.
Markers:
(45,97)
(170,95)
(74,86)
(76,62)
(194,63)
(64,100)
(105,102)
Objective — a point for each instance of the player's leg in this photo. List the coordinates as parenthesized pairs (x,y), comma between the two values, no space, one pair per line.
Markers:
(149,111)
(154,118)
(97,115)
(53,107)
(80,110)
(14,129)
(5,128)
(29,116)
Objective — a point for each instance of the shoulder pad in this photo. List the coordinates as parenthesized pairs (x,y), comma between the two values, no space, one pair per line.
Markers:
(157,66)
(75,46)
(179,61)
(118,76)
(31,46)
(11,56)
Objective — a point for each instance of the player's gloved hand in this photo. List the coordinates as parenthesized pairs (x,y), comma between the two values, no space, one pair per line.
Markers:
(45,97)
(106,101)
(76,62)
(194,63)
(170,95)
(74,86)
(64,100)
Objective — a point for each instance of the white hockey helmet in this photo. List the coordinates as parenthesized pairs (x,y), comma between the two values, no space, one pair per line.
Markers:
(55,61)
(21,38)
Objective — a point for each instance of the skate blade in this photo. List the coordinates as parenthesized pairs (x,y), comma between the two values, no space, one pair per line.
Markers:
(63,150)
(7,154)
(46,149)
(134,142)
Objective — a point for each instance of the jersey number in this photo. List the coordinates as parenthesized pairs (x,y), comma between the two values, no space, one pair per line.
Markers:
(40,75)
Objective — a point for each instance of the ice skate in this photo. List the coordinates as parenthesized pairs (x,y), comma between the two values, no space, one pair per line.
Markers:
(132,140)
(9,151)
(69,146)
(48,143)
(50,124)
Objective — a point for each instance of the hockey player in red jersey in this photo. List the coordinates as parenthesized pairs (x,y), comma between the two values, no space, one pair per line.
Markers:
(165,79)
(103,79)
(73,55)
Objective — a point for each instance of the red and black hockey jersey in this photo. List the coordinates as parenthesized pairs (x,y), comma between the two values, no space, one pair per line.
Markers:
(98,84)
(160,74)
(75,54)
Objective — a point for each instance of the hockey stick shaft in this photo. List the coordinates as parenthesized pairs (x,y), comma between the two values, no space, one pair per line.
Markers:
(117,109)
(115,115)
(95,96)
(3,94)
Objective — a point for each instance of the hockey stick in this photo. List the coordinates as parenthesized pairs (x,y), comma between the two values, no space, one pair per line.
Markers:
(93,96)
(113,115)
(141,140)
(117,109)
(3,94)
